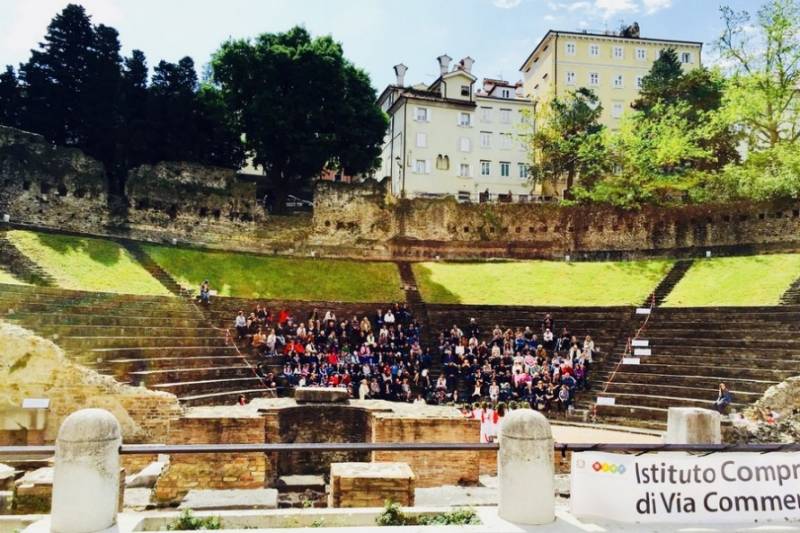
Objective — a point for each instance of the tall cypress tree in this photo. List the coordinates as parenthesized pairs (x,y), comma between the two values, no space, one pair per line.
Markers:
(10,101)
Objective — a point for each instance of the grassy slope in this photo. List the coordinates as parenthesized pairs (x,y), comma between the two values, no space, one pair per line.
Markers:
(255,276)
(7,278)
(540,282)
(84,263)
(754,280)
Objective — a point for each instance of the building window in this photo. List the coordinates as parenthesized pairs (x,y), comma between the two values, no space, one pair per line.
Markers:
(618,81)
(465,90)
(594,50)
(486,114)
(486,139)
(639,82)
(641,54)
(464,119)
(463,170)
(421,166)
(505,141)
(594,78)
(619,52)
(422,140)
(571,49)
(464,196)
(486,168)
(570,78)
(616,110)
(421,114)
(505,168)
(442,162)
(506,93)
(464,144)
(686,57)
(505,116)
(523,170)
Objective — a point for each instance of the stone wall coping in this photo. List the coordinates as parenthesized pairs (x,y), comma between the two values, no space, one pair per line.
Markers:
(375,470)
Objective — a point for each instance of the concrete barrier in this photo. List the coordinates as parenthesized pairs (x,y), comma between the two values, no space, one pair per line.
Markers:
(692,425)
(86,475)
(525,469)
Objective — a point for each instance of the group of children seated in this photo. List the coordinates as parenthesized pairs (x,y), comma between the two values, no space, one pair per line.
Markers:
(373,357)
(380,357)
(523,364)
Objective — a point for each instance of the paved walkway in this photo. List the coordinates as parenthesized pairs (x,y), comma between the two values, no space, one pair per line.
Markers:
(606,435)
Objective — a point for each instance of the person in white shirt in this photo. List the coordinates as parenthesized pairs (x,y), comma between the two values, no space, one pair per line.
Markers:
(388,318)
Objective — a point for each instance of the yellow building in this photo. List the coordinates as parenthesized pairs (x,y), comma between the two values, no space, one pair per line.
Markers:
(451,138)
(612,64)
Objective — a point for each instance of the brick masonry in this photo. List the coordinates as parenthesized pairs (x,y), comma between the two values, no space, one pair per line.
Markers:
(371,484)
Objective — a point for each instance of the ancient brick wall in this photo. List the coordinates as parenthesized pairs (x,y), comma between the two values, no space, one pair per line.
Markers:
(432,468)
(33,367)
(217,470)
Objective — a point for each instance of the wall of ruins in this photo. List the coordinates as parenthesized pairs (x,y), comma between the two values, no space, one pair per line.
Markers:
(34,367)
(61,188)
(213,470)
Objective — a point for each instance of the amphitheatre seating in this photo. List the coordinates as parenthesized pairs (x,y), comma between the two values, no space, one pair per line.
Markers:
(693,350)
(604,324)
(164,343)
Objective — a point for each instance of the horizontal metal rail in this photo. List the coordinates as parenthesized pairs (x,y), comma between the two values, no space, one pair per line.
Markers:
(132,449)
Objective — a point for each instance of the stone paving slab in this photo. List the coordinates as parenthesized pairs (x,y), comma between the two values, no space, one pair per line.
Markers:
(230,499)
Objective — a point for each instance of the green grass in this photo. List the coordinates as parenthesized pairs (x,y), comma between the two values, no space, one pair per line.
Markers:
(255,276)
(540,282)
(88,264)
(8,279)
(732,281)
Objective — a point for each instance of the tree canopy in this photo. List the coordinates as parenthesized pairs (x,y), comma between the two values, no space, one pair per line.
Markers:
(301,105)
(77,90)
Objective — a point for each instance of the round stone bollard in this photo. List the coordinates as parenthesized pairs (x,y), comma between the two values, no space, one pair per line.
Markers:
(692,425)
(525,468)
(86,473)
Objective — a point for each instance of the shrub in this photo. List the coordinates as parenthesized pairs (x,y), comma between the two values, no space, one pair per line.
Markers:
(188,522)
(393,516)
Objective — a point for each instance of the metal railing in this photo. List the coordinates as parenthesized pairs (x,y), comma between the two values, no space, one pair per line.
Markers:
(563,448)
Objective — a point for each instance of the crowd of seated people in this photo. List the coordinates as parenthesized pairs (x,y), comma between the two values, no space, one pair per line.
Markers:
(380,357)
(529,365)
(375,357)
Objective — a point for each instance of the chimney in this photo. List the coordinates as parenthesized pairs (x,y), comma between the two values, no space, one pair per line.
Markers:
(444,63)
(467,63)
(400,72)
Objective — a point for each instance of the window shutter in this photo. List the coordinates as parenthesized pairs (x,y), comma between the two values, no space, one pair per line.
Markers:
(427,166)
(430,114)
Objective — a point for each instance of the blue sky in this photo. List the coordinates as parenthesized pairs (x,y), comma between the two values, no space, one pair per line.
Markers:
(376,34)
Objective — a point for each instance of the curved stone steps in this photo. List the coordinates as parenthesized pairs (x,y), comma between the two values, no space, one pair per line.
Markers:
(78,344)
(102,354)
(125,366)
(675,391)
(67,330)
(150,378)
(68,319)
(712,360)
(665,402)
(696,379)
(208,386)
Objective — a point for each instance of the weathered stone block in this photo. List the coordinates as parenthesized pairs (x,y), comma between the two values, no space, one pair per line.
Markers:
(321,395)
(230,499)
(371,484)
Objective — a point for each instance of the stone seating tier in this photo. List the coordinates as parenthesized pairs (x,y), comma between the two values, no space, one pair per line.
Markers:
(693,350)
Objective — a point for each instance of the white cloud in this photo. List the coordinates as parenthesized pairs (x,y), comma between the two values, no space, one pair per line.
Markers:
(654,6)
(506,4)
(609,8)
(549,18)
(31,20)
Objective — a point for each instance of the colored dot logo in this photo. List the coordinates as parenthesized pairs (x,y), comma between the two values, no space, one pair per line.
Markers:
(610,468)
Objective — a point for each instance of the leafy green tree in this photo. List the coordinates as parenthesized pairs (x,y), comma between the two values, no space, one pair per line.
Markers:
(567,143)
(10,100)
(301,106)
(770,174)
(763,55)
(700,92)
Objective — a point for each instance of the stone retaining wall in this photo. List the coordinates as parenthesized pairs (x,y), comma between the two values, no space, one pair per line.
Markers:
(61,188)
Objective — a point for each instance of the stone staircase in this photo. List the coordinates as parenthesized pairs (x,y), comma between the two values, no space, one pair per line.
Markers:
(419,309)
(792,294)
(692,351)
(18,264)
(662,290)
(163,343)
(154,269)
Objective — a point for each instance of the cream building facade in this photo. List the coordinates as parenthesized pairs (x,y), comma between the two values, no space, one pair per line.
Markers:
(612,64)
(449,138)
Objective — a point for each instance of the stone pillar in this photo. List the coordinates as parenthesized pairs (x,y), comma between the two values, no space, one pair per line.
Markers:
(692,425)
(86,473)
(525,468)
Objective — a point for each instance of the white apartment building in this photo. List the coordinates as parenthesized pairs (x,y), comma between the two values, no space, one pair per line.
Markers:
(448,138)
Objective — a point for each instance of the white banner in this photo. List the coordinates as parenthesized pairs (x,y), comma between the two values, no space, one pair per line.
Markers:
(680,488)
